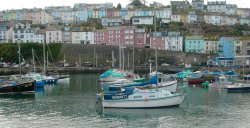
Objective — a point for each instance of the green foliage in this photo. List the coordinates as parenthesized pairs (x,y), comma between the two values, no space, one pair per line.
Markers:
(136,3)
(119,6)
(9,51)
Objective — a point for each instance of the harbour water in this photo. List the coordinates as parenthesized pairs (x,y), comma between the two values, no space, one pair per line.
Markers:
(74,105)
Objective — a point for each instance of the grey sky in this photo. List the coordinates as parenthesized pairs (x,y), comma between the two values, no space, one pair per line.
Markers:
(18,4)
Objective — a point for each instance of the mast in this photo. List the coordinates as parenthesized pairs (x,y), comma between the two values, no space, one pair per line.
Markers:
(33,60)
(113,59)
(123,64)
(47,61)
(133,65)
(44,58)
(19,57)
(64,61)
(120,59)
(80,61)
(156,47)
(128,58)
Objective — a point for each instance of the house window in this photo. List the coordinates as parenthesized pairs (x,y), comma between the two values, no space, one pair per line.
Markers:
(110,32)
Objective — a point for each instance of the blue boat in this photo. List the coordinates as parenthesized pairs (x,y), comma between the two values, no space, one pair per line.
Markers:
(40,81)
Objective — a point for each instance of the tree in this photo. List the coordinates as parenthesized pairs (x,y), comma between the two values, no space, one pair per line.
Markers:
(119,6)
(136,3)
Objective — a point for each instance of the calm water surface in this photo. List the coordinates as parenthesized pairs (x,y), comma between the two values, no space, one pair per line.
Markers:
(74,105)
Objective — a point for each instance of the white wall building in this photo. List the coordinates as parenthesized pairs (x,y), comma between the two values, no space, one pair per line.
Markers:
(82,36)
(174,41)
(192,17)
(176,18)
(140,20)
(231,9)
(216,6)
(54,34)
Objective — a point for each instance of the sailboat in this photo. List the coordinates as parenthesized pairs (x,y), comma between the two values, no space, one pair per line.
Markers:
(16,84)
(48,78)
(40,82)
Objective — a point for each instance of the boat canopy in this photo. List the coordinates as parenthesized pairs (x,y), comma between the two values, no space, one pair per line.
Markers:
(111,73)
(152,81)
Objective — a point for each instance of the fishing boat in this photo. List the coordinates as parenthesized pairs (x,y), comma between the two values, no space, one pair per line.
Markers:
(221,82)
(132,97)
(238,87)
(17,87)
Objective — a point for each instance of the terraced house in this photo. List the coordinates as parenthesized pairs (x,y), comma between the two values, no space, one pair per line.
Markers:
(194,44)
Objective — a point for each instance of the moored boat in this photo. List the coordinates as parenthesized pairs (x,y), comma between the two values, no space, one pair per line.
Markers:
(13,87)
(238,87)
(135,98)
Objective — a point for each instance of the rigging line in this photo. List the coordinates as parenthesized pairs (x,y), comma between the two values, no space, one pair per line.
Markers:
(37,58)
(51,55)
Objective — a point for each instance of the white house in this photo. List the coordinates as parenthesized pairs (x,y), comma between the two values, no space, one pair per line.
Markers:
(164,13)
(231,20)
(82,36)
(174,41)
(244,21)
(231,9)
(19,32)
(54,34)
(216,6)
(213,18)
(39,36)
(192,17)
(112,22)
(142,20)
(198,4)
(4,33)
(176,18)
(211,44)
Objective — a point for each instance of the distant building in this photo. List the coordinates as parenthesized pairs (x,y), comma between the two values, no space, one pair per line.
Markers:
(231,9)
(83,36)
(174,41)
(156,4)
(140,37)
(109,22)
(211,44)
(243,12)
(19,32)
(158,40)
(226,51)
(142,20)
(4,27)
(216,6)
(66,34)
(54,34)
(194,44)
(99,36)
(198,4)
(180,4)
(192,17)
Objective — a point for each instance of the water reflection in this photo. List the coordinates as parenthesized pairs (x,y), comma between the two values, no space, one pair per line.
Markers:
(73,105)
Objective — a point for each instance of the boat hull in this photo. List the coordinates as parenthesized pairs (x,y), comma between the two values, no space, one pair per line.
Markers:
(238,88)
(40,83)
(195,81)
(146,103)
(168,86)
(51,81)
(28,87)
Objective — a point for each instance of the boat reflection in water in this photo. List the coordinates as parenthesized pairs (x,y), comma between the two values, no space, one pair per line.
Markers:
(133,114)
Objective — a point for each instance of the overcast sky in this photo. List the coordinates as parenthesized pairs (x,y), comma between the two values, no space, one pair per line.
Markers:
(19,4)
